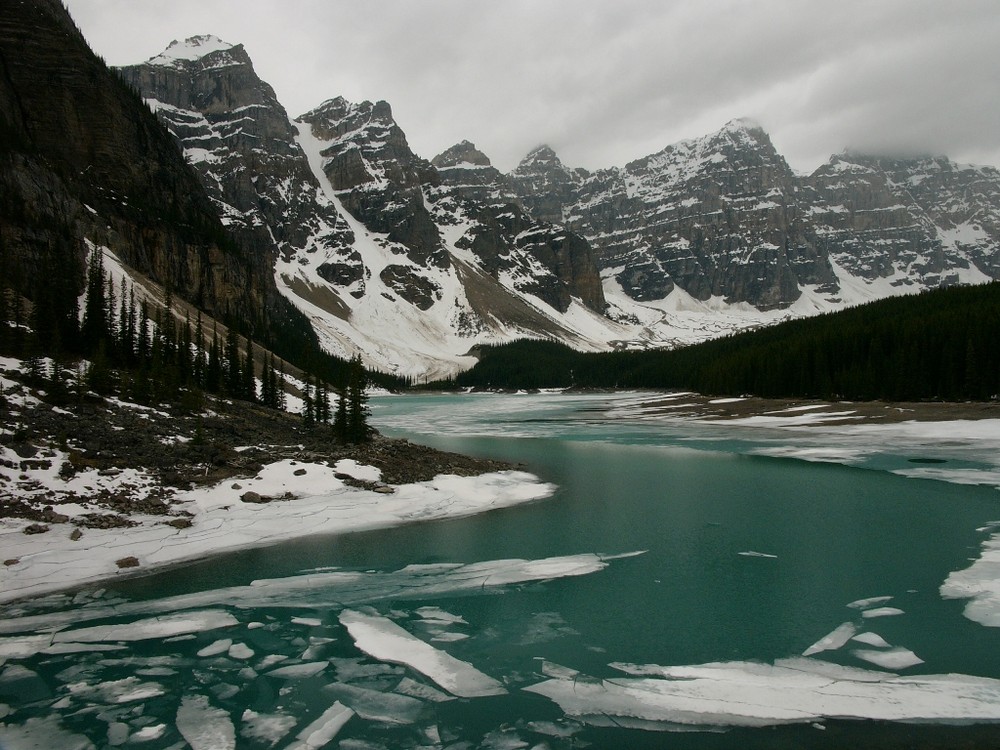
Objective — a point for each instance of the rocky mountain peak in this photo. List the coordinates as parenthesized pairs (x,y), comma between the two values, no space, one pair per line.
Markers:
(540,158)
(182,53)
(464,153)
(544,184)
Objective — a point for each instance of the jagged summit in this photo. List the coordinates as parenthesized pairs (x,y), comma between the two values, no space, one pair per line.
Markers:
(193,48)
(540,156)
(464,153)
(742,123)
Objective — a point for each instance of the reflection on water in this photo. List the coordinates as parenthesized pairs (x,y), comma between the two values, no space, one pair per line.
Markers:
(675,580)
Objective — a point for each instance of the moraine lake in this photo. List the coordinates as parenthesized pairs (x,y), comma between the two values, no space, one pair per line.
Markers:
(686,585)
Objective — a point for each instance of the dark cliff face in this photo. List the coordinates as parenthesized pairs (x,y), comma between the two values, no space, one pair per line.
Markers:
(241,141)
(86,159)
(545,186)
(378,178)
(541,258)
(724,216)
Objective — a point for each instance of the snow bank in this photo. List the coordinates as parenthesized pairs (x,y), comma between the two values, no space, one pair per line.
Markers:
(312,501)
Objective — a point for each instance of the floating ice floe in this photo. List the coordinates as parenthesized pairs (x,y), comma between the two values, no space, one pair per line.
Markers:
(376,705)
(204,726)
(215,648)
(126,690)
(892,658)
(754,694)
(882,612)
(154,627)
(382,639)
(869,602)
(980,583)
(841,635)
(42,733)
(269,728)
(871,639)
(315,590)
(321,732)
(299,671)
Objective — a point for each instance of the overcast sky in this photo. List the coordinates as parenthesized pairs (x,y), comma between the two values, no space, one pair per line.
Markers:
(607,81)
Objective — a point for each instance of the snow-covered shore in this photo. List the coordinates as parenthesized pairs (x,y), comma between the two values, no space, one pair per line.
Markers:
(314,501)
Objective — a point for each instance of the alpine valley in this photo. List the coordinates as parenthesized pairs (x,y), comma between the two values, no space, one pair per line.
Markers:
(413,263)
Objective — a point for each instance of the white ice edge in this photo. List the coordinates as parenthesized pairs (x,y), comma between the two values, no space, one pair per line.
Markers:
(980,584)
(755,694)
(321,504)
(325,590)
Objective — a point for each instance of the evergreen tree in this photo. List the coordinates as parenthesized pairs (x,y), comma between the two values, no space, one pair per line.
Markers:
(322,402)
(340,418)
(234,381)
(213,370)
(95,312)
(281,385)
(142,345)
(357,402)
(199,362)
(308,406)
(185,354)
(248,386)
(4,319)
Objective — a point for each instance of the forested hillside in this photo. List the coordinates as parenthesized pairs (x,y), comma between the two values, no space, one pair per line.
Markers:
(941,344)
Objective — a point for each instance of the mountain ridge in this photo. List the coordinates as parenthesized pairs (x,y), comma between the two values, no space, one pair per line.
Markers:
(706,236)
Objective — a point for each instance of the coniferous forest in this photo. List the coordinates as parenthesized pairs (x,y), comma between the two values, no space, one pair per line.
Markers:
(939,345)
(121,345)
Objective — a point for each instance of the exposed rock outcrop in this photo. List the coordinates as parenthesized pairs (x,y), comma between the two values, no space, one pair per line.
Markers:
(82,159)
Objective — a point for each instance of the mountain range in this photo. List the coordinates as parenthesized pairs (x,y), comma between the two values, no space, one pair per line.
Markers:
(413,263)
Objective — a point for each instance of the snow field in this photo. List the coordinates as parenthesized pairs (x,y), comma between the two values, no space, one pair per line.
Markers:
(315,502)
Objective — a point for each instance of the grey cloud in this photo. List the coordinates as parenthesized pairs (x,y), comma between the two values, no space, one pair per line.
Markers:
(607,82)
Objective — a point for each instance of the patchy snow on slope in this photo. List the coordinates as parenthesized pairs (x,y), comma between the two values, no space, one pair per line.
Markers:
(192,48)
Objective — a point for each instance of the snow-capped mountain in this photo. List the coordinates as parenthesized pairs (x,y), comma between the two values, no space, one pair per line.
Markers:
(369,240)
(412,263)
(723,217)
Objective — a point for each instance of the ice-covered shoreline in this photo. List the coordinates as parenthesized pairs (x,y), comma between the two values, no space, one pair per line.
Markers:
(314,501)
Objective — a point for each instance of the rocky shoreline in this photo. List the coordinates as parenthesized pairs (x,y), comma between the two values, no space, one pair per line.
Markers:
(175,449)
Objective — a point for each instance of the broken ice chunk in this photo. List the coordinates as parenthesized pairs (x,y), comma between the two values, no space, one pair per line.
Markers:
(125,690)
(299,671)
(831,642)
(383,639)
(894,658)
(375,705)
(204,726)
(322,731)
(872,639)
(153,627)
(267,727)
(416,689)
(869,602)
(43,733)
(216,648)
(436,614)
(882,612)
(240,651)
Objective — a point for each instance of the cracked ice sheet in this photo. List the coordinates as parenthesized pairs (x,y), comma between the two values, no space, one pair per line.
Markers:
(324,591)
(322,504)
(980,583)
(382,639)
(754,694)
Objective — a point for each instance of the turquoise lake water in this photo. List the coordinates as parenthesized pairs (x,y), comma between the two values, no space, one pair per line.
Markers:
(747,557)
